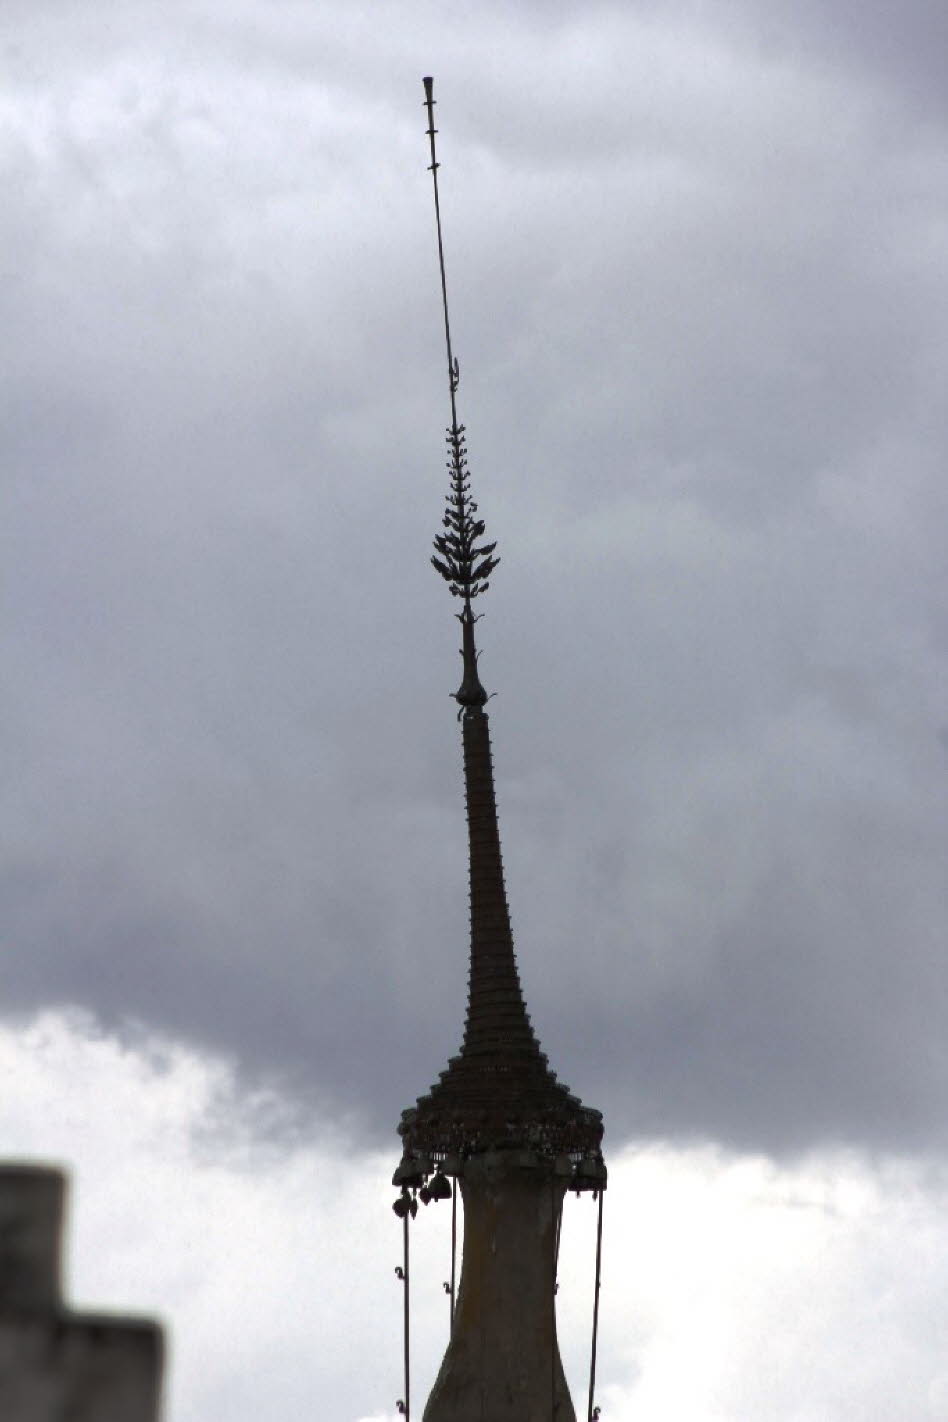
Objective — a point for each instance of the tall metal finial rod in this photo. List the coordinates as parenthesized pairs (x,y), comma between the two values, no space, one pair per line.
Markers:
(464,566)
(454,373)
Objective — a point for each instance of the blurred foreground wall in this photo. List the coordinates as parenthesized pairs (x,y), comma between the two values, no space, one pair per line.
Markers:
(57,1365)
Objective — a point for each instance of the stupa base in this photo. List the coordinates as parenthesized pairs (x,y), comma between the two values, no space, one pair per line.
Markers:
(503,1361)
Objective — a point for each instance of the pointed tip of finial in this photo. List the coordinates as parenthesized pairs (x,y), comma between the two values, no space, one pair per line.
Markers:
(428,82)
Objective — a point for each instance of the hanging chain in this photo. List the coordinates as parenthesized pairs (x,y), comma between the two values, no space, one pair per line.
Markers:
(449,1285)
(593,1412)
(403,1405)
(454,1246)
(555,1261)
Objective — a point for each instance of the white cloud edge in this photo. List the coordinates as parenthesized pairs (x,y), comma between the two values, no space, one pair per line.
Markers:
(811,1290)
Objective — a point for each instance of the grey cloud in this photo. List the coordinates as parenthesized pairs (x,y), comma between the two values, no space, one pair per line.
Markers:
(702,358)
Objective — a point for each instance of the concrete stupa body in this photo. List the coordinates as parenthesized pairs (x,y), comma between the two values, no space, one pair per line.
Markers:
(513,1138)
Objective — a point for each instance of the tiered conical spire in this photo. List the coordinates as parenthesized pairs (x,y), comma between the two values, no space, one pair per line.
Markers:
(499,1090)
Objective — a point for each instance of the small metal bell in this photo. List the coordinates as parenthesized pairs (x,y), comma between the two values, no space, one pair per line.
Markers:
(411,1170)
(439,1187)
(591,1174)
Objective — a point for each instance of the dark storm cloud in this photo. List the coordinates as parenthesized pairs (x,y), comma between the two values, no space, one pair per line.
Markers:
(698,293)
(901,47)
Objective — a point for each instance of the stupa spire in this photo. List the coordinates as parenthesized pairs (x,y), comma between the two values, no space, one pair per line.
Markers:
(499,1090)
(497,1120)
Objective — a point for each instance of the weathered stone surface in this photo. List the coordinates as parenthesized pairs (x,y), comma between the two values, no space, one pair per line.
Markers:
(503,1361)
(57,1365)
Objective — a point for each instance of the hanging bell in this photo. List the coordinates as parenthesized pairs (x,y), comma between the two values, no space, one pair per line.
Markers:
(439,1187)
(402,1205)
(410,1171)
(591,1174)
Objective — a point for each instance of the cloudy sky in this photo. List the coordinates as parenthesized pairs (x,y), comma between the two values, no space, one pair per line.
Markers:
(698,277)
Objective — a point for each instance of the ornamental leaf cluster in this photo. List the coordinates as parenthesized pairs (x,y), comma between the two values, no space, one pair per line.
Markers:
(464,566)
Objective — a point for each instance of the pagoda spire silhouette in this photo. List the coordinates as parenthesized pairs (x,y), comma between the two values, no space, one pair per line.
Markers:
(512,1137)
